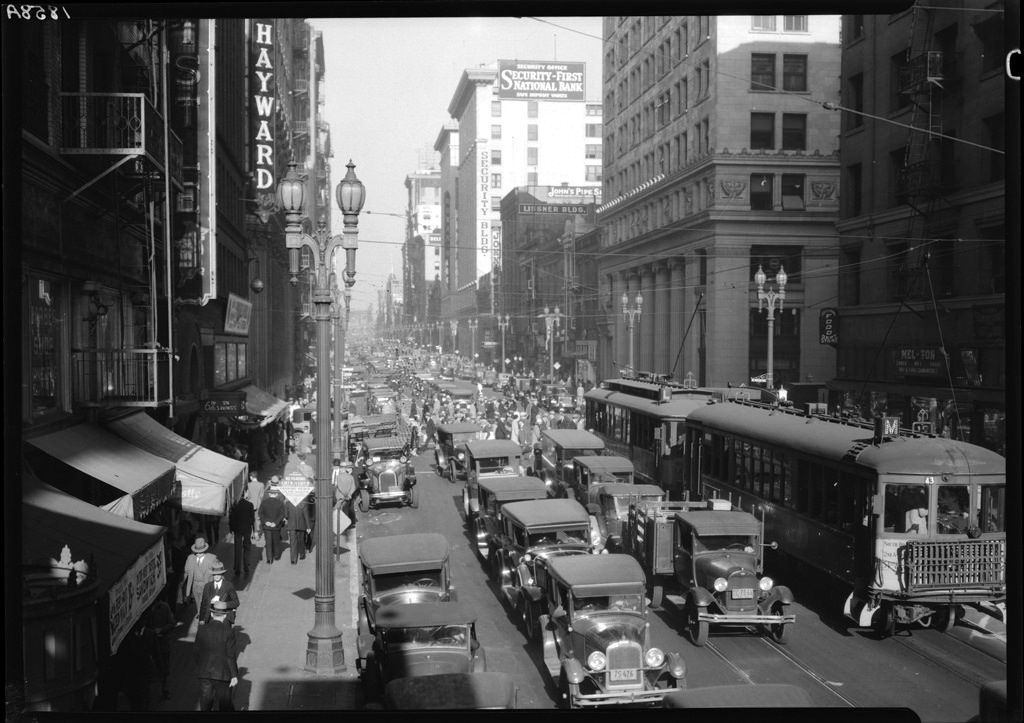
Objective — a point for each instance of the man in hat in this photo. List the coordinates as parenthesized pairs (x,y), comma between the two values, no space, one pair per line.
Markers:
(216,655)
(218,590)
(298,529)
(254,490)
(198,567)
(242,522)
(273,514)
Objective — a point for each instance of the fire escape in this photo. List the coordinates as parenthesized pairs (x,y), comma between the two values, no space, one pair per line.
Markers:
(124,138)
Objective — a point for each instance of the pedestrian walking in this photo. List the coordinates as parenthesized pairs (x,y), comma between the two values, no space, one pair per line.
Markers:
(298,528)
(160,619)
(197,572)
(179,550)
(344,492)
(218,589)
(242,523)
(216,655)
(272,514)
(254,490)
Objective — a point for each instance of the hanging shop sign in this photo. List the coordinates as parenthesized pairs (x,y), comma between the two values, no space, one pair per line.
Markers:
(135,591)
(919,361)
(237,315)
(264,84)
(541,80)
(223,403)
(295,487)
(828,327)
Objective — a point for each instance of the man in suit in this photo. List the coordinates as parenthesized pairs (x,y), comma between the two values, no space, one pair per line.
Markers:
(216,654)
(218,590)
(273,515)
(197,571)
(298,528)
(242,522)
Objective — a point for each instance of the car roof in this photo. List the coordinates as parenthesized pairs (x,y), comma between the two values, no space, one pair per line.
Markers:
(508,486)
(540,513)
(741,695)
(591,575)
(395,553)
(721,522)
(390,442)
(493,447)
(459,427)
(625,488)
(577,438)
(606,462)
(405,615)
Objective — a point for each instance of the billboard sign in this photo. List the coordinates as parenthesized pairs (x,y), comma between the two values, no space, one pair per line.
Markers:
(133,593)
(541,80)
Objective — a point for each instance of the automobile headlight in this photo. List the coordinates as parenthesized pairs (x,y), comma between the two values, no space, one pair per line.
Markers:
(403,459)
(721,584)
(462,455)
(596,660)
(765,583)
(653,658)
(527,557)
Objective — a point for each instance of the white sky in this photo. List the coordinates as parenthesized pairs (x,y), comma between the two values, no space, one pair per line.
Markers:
(388,85)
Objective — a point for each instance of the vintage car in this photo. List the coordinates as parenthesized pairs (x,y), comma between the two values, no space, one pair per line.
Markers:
(596,638)
(450,452)
(492,493)
(713,553)
(554,455)
(488,458)
(397,569)
(740,695)
(387,473)
(418,639)
(591,470)
(365,427)
(609,503)
(304,419)
(556,397)
(484,690)
(531,533)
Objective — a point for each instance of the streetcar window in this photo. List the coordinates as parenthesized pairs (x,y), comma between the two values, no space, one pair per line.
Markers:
(803,487)
(992,510)
(952,509)
(906,509)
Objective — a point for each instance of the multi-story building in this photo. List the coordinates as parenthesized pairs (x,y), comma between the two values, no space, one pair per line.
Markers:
(421,269)
(920,314)
(518,123)
(719,158)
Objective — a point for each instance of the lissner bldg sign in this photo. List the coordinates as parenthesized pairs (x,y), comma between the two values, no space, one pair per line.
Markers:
(540,80)
(263,84)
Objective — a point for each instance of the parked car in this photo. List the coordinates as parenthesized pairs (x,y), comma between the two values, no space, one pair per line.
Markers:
(487,458)
(397,569)
(388,475)
(492,493)
(596,638)
(531,533)
(450,453)
(591,470)
(418,639)
(452,691)
(711,554)
(609,503)
(554,455)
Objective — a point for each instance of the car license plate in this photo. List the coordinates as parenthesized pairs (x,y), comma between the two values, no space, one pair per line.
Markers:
(623,675)
(744,593)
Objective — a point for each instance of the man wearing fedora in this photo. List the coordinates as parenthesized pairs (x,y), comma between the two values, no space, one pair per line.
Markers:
(273,514)
(216,655)
(218,590)
(198,569)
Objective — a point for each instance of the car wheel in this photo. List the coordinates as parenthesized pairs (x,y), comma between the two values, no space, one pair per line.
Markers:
(414,500)
(778,631)
(465,503)
(363,626)
(364,501)
(657,595)
(482,548)
(885,620)
(452,476)
(698,629)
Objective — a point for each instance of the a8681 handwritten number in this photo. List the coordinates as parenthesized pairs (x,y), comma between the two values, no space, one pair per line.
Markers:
(37,12)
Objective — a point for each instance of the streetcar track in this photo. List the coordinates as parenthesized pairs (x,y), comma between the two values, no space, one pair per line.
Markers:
(920,650)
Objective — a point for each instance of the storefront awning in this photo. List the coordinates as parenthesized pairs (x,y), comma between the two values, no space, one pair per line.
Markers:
(145,479)
(125,557)
(263,406)
(209,481)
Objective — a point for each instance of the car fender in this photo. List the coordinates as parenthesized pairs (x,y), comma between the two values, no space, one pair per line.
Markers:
(676,665)
(524,573)
(533,592)
(701,597)
(364,645)
(474,506)
(779,593)
(574,671)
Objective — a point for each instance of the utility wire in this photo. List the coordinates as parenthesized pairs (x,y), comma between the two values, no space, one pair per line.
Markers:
(563,27)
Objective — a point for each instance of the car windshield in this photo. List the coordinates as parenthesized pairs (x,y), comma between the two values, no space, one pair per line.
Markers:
(568,453)
(463,437)
(608,603)
(398,581)
(379,455)
(489,465)
(739,543)
(430,636)
(573,536)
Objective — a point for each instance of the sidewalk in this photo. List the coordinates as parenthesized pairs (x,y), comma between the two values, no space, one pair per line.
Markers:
(274,616)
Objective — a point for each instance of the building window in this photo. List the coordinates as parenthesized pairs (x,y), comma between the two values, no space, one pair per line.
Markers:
(897,190)
(46,348)
(762,71)
(495,109)
(792,192)
(761,192)
(995,128)
(762,130)
(496,181)
(532,107)
(496,133)
(593,173)
(495,157)
(794,132)
(853,191)
(794,72)
(898,67)
(794,23)
(849,276)
(664,109)
(495,203)
(593,130)
(593,151)
(531,132)
(531,156)
(855,26)
(705,70)
(855,102)
(229,362)
(763,22)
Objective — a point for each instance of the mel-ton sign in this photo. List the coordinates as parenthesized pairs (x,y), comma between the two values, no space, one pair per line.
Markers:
(540,80)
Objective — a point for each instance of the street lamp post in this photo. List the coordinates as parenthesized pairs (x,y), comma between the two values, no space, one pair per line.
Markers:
(631,314)
(339,367)
(453,324)
(551,321)
(324,652)
(770,296)
(472,348)
(503,325)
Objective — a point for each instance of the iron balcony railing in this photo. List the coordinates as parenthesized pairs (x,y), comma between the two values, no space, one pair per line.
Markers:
(957,564)
(121,378)
(119,124)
